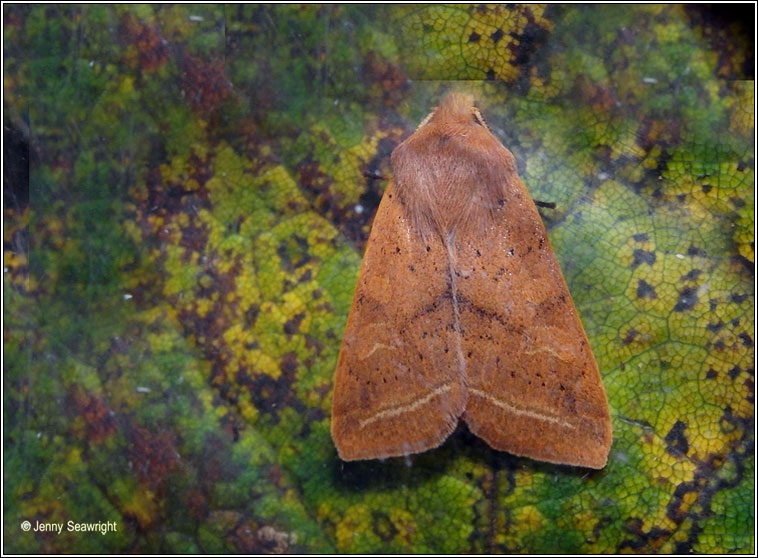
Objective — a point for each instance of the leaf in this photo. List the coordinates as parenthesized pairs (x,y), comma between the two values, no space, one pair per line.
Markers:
(178,273)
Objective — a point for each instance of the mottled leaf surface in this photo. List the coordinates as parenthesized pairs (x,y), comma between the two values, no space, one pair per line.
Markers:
(188,191)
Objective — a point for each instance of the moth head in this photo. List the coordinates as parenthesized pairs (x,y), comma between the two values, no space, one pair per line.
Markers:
(456,114)
(477,118)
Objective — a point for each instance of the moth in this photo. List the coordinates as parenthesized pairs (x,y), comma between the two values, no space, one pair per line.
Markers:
(461,313)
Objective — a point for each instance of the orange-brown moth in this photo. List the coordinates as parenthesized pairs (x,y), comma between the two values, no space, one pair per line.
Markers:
(461,312)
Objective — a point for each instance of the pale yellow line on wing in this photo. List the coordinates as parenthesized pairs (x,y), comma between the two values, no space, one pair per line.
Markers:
(405,408)
(377,347)
(508,407)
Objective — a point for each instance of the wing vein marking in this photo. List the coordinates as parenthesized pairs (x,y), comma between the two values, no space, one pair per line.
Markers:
(456,309)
